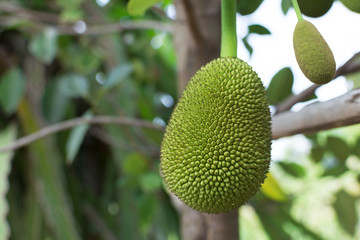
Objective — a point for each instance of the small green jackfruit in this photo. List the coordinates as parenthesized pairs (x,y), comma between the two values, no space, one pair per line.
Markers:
(353,5)
(216,149)
(315,8)
(313,54)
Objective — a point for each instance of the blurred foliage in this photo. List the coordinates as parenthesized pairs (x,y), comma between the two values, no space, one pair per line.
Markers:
(103,181)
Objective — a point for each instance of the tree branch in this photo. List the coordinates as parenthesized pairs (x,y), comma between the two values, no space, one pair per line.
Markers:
(42,19)
(337,112)
(75,122)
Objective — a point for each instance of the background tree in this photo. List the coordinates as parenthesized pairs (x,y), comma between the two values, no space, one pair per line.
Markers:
(96,85)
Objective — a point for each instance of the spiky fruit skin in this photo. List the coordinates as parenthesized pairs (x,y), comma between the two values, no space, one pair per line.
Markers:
(353,5)
(315,8)
(313,54)
(216,149)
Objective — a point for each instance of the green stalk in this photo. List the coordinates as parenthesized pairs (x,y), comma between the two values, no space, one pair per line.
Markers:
(228,29)
(297,9)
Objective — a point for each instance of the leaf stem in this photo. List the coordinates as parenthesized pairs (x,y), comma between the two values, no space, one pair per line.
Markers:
(228,29)
(297,9)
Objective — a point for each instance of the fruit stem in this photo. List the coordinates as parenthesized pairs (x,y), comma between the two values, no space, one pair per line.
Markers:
(228,29)
(297,9)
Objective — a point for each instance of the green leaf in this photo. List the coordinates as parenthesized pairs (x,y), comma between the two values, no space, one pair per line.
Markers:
(12,86)
(74,85)
(147,207)
(293,169)
(134,164)
(285,6)
(346,211)
(7,136)
(280,86)
(338,147)
(317,153)
(335,171)
(75,139)
(246,7)
(272,189)
(117,75)
(44,45)
(247,45)
(259,29)
(356,148)
(54,102)
(150,182)
(138,7)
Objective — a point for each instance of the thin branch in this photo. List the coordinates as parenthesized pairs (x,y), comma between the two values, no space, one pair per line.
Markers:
(337,112)
(351,66)
(42,19)
(75,122)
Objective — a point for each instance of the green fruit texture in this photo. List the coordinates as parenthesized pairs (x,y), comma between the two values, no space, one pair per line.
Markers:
(215,152)
(313,54)
(315,8)
(353,5)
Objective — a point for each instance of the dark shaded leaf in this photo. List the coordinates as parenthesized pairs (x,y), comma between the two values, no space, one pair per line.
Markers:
(12,86)
(280,86)
(245,7)
(272,221)
(247,45)
(356,148)
(338,147)
(346,211)
(293,169)
(335,171)
(259,29)
(317,153)
(147,207)
(54,102)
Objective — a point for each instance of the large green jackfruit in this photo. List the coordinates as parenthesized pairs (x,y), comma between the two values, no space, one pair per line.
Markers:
(313,54)
(216,149)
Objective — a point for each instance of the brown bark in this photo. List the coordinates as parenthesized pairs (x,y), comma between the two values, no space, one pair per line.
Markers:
(196,36)
(197,41)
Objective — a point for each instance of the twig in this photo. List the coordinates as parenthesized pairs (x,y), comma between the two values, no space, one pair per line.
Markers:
(351,66)
(75,122)
(92,28)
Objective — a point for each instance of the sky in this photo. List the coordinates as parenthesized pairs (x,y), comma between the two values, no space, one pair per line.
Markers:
(274,52)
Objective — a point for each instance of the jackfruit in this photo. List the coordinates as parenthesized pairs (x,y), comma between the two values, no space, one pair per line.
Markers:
(313,54)
(353,5)
(315,8)
(215,153)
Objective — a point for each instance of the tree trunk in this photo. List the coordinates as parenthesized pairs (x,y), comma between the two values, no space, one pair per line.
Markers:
(197,42)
